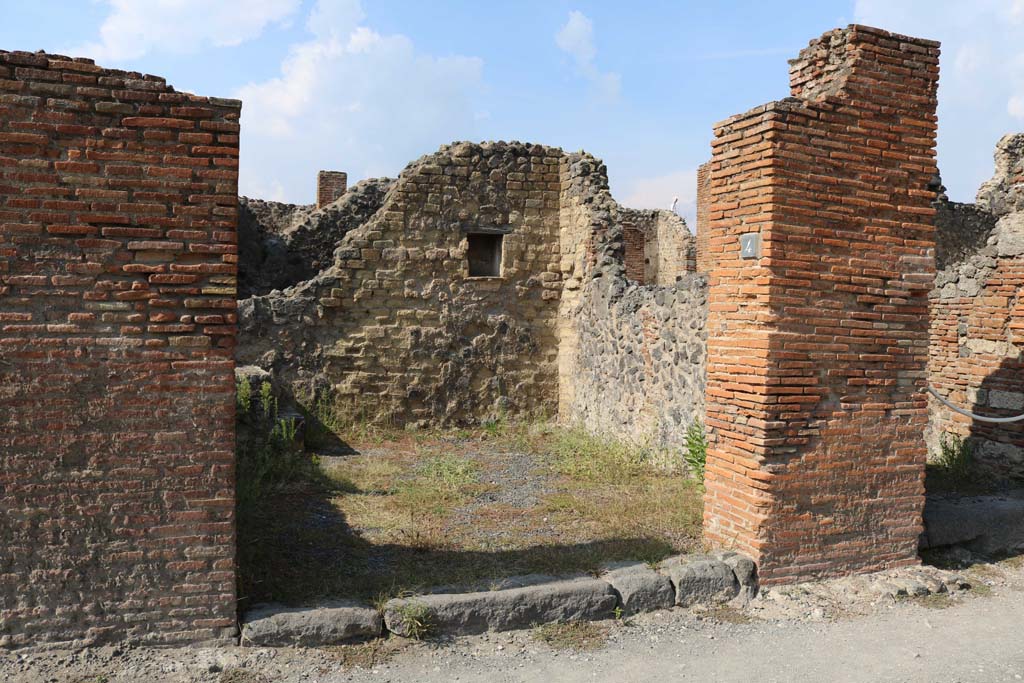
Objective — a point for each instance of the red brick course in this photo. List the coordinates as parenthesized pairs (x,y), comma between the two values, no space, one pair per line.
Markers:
(118,201)
(818,349)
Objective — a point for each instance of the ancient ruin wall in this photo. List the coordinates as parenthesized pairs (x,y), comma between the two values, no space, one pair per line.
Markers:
(703,198)
(818,344)
(631,356)
(396,329)
(118,201)
(658,247)
(282,245)
(977,317)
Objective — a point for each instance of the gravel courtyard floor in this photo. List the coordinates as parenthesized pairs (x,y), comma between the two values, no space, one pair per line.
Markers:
(404,512)
(813,632)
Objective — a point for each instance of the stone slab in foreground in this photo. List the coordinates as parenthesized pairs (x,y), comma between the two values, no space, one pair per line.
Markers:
(337,622)
(640,588)
(581,599)
(984,524)
(701,579)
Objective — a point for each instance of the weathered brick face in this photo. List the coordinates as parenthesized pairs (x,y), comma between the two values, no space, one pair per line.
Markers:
(703,199)
(118,202)
(818,349)
(330,185)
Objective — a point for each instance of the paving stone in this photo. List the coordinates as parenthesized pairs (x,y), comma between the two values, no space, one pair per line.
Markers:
(984,524)
(276,625)
(701,579)
(640,588)
(502,610)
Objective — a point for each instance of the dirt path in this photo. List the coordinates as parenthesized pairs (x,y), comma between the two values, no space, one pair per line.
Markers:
(975,636)
(977,641)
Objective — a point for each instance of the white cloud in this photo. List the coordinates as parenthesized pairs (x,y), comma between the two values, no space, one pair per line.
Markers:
(576,39)
(657,192)
(137,27)
(351,99)
(1015,107)
(981,87)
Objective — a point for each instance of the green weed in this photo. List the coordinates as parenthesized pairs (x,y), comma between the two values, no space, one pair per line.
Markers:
(243,394)
(696,454)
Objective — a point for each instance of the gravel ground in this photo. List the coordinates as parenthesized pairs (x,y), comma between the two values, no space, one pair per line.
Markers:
(812,632)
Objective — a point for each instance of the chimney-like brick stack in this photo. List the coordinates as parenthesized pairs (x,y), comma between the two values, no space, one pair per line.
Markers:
(330,185)
(118,203)
(818,349)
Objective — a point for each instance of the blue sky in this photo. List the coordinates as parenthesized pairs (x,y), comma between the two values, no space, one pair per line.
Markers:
(368,86)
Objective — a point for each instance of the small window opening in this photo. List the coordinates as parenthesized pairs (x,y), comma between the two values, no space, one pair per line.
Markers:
(484,255)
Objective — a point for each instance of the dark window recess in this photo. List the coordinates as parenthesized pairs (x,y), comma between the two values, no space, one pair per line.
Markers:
(484,255)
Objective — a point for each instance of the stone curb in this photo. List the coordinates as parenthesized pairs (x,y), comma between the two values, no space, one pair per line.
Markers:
(623,588)
(337,622)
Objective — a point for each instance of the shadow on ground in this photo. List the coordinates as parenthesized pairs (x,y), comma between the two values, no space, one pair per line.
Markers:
(297,548)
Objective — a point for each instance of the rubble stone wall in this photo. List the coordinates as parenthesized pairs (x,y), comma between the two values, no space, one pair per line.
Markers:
(632,356)
(118,200)
(977,317)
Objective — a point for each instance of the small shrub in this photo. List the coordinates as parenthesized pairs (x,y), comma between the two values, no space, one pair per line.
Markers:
(243,394)
(267,400)
(955,458)
(267,464)
(696,455)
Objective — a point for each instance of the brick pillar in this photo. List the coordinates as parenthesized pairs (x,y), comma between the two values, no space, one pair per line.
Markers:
(330,185)
(703,197)
(818,346)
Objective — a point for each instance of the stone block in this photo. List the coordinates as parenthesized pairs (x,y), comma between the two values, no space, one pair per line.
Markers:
(543,602)
(275,625)
(701,579)
(640,588)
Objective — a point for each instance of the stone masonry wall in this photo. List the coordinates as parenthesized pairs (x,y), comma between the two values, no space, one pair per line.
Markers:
(118,201)
(977,317)
(397,330)
(659,248)
(282,245)
(818,349)
(631,356)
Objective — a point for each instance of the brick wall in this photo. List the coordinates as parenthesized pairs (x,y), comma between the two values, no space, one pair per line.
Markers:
(330,185)
(118,201)
(977,317)
(703,197)
(633,239)
(818,349)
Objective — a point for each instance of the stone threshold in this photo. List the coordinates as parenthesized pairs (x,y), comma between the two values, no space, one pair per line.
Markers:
(621,589)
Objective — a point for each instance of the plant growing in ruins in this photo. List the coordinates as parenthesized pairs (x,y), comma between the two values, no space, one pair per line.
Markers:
(696,450)
(267,400)
(415,618)
(285,430)
(243,394)
(955,458)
